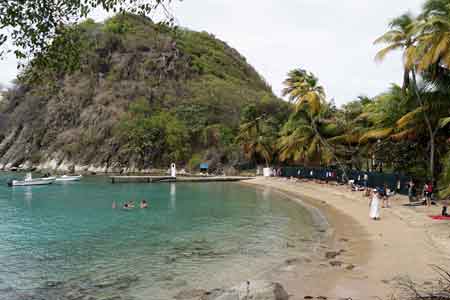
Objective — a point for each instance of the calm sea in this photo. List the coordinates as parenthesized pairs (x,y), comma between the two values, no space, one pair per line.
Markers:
(65,241)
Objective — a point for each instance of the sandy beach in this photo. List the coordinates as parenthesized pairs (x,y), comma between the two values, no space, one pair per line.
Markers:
(366,258)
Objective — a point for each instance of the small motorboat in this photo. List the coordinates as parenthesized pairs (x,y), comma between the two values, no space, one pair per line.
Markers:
(66,178)
(28,181)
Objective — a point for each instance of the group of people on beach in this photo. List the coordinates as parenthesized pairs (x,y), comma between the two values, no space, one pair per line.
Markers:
(378,196)
(427,193)
(130,205)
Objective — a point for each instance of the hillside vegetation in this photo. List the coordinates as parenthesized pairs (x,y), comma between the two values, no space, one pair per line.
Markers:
(141,95)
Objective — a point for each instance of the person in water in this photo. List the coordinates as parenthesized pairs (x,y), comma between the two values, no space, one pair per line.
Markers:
(130,204)
(114,205)
(126,206)
(144,204)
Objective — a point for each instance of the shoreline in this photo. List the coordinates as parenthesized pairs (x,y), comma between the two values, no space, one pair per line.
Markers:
(374,255)
(356,257)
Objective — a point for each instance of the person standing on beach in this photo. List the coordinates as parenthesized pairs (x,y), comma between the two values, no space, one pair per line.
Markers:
(374,205)
(385,195)
(411,191)
(428,193)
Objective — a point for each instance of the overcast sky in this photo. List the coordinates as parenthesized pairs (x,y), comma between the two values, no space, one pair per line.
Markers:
(332,39)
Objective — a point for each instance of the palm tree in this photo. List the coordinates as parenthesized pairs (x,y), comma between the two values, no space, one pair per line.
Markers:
(303,137)
(254,142)
(433,28)
(428,46)
(401,36)
(432,54)
(384,113)
(445,178)
(302,88)
(353,123)
(301,140)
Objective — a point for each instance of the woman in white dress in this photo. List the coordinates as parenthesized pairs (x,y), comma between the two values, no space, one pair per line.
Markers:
(375,205)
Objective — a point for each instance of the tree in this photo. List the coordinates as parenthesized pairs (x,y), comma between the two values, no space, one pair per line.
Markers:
(156,138)
(256,140)
(445,178)
(302,87)
(392,133)
(399,37)
(428,48)
(353,124)
(433,29)
(31,26)
(303,137)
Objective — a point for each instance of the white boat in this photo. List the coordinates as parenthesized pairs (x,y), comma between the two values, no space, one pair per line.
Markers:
(69,178)
(32,181)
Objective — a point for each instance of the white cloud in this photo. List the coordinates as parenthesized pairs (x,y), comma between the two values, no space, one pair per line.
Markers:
(332,39)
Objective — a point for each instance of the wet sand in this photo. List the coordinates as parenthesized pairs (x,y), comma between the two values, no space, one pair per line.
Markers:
(374,255)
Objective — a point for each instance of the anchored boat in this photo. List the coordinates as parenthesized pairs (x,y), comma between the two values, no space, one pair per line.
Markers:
(28,181)
(66,178)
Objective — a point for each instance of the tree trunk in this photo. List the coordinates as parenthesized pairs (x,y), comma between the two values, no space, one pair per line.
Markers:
(406,80)
(431,133)
(326,144)
(432,152)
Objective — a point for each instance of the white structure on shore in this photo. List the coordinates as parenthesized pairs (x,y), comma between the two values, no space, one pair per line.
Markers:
(267,172)
(173,170)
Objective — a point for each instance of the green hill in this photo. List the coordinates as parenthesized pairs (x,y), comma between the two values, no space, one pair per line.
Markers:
(144,95)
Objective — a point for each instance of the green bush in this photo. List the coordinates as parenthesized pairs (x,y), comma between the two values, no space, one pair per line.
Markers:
(194,162)
(157,138)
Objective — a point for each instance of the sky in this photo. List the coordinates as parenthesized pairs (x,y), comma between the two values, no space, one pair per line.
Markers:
(332,39)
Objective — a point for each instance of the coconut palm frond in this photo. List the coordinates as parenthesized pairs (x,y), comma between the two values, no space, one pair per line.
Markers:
(403,135)
(444,122)
(381,55)
(409,118)
(376,134)
(313,147)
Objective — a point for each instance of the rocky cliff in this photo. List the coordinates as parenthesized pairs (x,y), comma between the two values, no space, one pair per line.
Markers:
(142,96)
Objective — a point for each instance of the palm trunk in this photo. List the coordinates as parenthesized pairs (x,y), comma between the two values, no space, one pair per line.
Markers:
(326,144)
(431,132)
(406,80)
(267,162)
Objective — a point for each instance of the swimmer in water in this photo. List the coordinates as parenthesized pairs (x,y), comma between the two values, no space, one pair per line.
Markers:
(144,204)
(130,204)
(126,206)
(114,205)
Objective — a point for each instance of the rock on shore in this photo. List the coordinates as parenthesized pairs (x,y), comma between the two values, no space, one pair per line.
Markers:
(255,290)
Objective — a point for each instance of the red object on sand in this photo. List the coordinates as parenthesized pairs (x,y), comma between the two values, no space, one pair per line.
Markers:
(440,218)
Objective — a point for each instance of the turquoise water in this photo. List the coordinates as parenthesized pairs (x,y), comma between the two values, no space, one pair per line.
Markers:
(65,239)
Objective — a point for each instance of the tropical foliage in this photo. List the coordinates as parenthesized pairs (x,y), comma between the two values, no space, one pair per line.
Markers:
(153,137)
(144,95)
(405,129)
(29,29)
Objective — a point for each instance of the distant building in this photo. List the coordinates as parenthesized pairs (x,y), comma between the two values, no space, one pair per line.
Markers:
(204,167)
